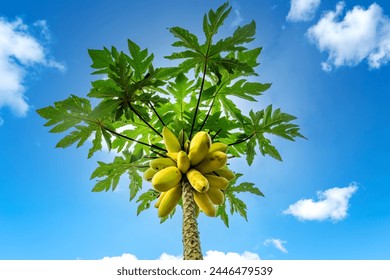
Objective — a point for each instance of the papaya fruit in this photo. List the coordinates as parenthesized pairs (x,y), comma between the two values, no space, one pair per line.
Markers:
(166,179)
(197,180)
(199,147)
(213,161)
(217,182)
(170,140)
(160,197)
(218,146)
(216,196)
(173,156)
(204,203)
(183,161)
(169,201)
(187,146)
(182,137)
(226,173)
(149,173)
(161,163)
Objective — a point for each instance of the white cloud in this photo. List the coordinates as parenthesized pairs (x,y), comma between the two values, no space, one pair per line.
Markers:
(230,256)
(363,34)
(210,256)
(19,51)
(238,19)
(124,257)
(332,204)
(277,243)
(302,10)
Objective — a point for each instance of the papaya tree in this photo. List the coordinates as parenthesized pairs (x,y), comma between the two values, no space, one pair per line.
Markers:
(176,127)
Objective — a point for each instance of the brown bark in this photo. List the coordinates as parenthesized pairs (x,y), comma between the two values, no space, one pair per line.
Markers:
(191,240)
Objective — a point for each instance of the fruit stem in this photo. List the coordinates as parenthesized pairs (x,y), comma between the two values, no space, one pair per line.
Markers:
(191,239)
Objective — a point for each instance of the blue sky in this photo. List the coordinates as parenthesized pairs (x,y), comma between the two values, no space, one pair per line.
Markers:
(328,199)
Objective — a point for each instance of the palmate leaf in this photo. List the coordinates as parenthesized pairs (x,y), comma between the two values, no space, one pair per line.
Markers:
(139,59)
(236,205)
(186,39)
(146,199)
(180,89)
(241,36)
(73,112)
(214,20)
(109,174)
(267,121)
(245,90)
(100,58)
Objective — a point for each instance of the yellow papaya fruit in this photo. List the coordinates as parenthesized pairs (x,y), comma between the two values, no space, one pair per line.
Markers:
(182,137)
(217,182)
(169,201)
(218,146)
(199,147)
(205,204)
(216,196)
(160,197)
(197,210)
(226,173)
(166,179)
(173,156)
(187,146)
(149,173)
(183,161)
(161,163)
(170,140)
(213,161)
(197,180)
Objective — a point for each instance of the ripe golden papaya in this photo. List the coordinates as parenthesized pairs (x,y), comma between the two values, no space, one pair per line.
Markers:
(217,182)
(216,196)
(166,179)
(183,161)
(161,163)
(197,180)
(213,161)
(169,201)
(199,147)
(149,173)
(173,156)
(218,146)
(160,197)
(170,140)
(205,204)
(226,173)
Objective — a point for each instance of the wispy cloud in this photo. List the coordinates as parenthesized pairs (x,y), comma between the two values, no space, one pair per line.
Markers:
(277,243)
(363,34)
(332,204)
(209,256)
(19,52)
(302,10)
(238,19)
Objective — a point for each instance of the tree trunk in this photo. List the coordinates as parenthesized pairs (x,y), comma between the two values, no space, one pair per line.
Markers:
(191,240)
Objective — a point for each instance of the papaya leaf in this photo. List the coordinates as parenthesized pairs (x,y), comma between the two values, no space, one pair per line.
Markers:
(146,199)
(213,20)
(221,212)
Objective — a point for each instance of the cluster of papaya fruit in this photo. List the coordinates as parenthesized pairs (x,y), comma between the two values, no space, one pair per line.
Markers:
(200,162)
